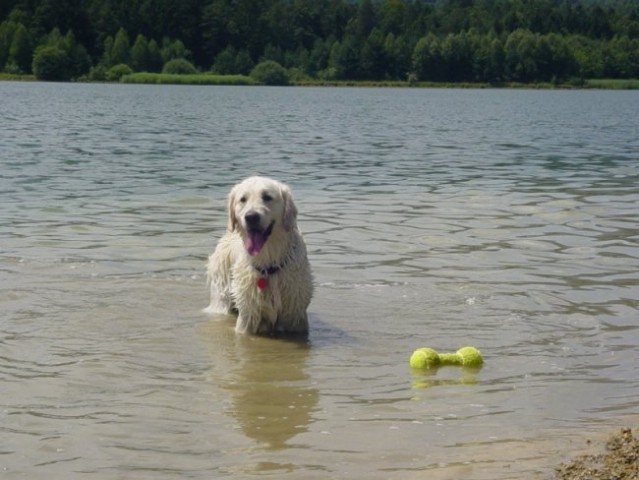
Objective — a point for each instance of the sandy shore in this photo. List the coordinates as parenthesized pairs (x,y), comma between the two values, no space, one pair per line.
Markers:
(618,461)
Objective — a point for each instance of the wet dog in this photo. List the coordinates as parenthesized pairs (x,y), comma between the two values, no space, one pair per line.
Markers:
(259,269)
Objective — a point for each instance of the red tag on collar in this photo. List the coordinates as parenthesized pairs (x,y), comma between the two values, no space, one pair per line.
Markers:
(261,283)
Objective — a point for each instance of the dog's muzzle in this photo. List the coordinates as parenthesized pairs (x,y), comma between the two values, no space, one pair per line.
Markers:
(256,236)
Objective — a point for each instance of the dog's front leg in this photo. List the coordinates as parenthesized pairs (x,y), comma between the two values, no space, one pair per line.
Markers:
(250,317)
(221,301)
(219,278)
(243,325)
(255,318)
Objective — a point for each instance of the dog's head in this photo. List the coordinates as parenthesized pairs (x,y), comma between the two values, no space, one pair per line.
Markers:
(258,207)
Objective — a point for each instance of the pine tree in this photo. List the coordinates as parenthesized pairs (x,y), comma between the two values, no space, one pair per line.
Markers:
(121,50)
(21,51)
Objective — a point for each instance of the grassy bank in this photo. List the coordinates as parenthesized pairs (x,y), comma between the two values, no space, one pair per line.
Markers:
(348,83)
(607,84)
(187,79)
(211,79)
(389,84)
(613,84)
(14,76)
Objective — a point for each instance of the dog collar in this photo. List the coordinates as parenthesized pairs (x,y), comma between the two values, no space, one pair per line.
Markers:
(262,280)
(266,271)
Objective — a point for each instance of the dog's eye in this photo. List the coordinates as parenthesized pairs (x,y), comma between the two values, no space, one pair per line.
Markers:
(266,198)
(243,200)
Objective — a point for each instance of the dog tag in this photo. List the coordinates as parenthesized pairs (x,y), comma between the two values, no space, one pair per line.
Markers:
(261,283)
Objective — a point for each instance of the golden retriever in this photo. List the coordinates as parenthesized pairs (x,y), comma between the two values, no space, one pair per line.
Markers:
(259,268)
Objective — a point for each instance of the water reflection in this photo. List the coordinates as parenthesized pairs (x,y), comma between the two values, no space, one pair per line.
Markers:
(421,380)
(270,394)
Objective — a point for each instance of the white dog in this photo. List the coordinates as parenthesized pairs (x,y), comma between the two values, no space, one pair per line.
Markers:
(259,268)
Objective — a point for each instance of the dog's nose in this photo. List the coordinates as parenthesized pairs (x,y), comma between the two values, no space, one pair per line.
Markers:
(252,219)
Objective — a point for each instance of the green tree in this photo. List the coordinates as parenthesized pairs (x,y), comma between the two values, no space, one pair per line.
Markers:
(457,57)
(21,50)
(155,57)
(140,57)
(318,57)
(51,63)
(373,60)
(365,18)
(243,62)
(214,25)
(50,14)
(521,56)
(427,58)
(398,55)
(561,62)
(588,56)
(345,58)
(79,60)
(107,50)
(121,50)
(392,14)
(232,61)
(7,29)
(224,63)
(488,59)
(275,53)
(172,49)
(60,58)
(621,57)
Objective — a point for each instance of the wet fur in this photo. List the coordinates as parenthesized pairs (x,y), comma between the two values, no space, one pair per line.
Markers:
(233,272)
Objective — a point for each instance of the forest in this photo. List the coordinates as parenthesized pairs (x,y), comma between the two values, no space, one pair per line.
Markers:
(441,41)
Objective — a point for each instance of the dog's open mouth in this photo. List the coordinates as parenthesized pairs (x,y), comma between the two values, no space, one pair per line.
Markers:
(256,239)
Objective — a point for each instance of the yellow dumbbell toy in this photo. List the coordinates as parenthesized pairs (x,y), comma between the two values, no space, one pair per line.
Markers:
(428,358)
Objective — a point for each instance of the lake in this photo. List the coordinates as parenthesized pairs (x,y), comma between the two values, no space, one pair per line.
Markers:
(503,219)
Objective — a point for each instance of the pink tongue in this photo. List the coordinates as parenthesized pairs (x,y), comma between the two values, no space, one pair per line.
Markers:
(254,243)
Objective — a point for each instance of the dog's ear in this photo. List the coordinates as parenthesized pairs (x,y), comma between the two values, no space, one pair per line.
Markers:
(230,208)
(289,215)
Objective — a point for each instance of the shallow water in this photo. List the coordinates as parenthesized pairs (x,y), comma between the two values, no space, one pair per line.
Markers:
(503,219)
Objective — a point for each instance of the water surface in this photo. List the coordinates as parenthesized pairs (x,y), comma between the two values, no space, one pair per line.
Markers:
(503,219)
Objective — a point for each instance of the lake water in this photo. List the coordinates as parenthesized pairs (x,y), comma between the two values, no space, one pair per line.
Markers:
(503,219)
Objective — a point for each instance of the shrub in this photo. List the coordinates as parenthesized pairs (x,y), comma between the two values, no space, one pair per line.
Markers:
(13,68)
(179,66)
(329,73)
(51,63)
(297,75)
(97,74)
(270,72)
(116,72)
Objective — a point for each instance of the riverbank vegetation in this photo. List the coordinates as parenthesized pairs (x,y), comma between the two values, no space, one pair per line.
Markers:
(405,42)
(186,79)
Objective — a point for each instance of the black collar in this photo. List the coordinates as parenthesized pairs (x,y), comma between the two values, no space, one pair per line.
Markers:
(270,270)
(273,269)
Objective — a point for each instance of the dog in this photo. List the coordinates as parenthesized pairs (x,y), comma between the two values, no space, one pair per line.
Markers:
(259,269)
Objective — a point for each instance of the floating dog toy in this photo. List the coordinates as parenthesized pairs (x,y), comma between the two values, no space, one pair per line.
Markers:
(429,358)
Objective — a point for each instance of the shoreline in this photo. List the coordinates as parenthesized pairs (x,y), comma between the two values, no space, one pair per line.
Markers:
(618,459)
(235,80)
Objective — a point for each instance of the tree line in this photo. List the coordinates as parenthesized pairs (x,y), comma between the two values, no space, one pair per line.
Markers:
(446,40)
